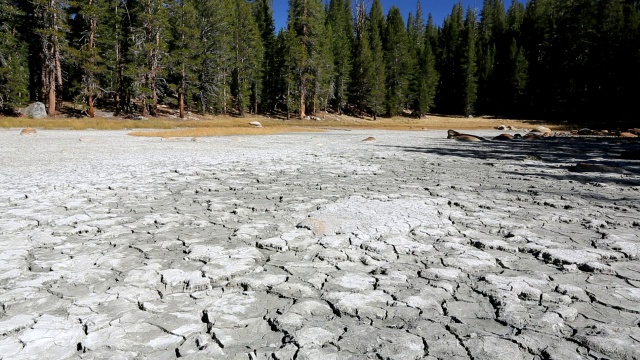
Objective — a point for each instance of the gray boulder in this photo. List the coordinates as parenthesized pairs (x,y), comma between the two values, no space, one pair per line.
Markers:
(37,110)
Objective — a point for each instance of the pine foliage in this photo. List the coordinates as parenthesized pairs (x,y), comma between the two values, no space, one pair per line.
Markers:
(538,58)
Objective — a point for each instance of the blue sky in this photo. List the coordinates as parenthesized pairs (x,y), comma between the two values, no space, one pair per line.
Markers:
(439,8)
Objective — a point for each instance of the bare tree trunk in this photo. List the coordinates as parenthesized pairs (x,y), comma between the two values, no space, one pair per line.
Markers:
(154,75)
(90,84)
(52,97)
(119,89)
(54,72)
(181,92)
(302,102)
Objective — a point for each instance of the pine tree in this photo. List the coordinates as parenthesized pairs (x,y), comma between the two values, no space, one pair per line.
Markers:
(468,64)
(248,52)
(184,50)
(339,18)
(362,71)
(449,62)
(492,56)
(396,52)
(216,34)
(113,28)
(518,75)
(263,13)
(14,72)
(86,55)
(427,76)
(537,32)
(293,71)
(306,20)
(415,35)
(610,59)
(149,50)
(47,28)
(378,88)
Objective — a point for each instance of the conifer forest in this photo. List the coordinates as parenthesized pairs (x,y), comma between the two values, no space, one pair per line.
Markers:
(538,59)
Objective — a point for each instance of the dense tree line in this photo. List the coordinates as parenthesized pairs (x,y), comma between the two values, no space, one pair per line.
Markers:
(544,58)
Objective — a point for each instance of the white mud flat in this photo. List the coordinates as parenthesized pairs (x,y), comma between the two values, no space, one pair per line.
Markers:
(316,246)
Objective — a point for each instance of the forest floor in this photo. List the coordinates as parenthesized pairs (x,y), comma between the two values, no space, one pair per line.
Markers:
(317,245)
(199,126)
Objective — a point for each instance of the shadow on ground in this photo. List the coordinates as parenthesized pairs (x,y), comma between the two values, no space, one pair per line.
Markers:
(539,158)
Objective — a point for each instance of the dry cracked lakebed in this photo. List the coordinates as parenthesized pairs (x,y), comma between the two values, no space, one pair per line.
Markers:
(317,246)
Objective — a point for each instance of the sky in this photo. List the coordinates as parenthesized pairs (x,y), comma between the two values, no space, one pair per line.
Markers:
(438,8)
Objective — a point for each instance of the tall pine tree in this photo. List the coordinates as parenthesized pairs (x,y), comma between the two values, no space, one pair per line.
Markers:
(14,70)
(362,71)
(468,64)
(378,82)
(396,55)
(449,62)
(263,13)
(247,61)
(427,78)
(184,51)
(339,18)
(306,20)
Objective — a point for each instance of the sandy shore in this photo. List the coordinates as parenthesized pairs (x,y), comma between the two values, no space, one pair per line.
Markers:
(316,246)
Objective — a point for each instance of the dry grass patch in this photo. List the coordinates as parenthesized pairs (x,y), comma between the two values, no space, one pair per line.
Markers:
(227,125)
(433,122)
(222,131)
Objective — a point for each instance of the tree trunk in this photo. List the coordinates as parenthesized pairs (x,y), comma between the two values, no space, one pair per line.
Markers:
(153,76)
(52,97)
(181,104)
(302,102)
(145,110)
(119,89)
(91,85)
(92,112)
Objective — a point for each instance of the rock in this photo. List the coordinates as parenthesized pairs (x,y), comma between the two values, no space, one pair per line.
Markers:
(452,134)
(370,138)
(503,137)
(255,124)
(28,131)
(37,110)
(585,131)
(628,135)
(500,127)
(587,167)
(531,136)
(139,117)
(635,131)
(541,129)
(103,114)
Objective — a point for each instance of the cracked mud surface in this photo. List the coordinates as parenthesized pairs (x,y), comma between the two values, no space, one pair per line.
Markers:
(316,246)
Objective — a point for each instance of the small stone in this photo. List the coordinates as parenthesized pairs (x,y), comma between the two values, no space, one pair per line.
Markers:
(255,124)
(370,138)
(28,131)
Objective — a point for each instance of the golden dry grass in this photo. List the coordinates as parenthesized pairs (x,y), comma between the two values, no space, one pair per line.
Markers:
(228,125)
(222,131)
